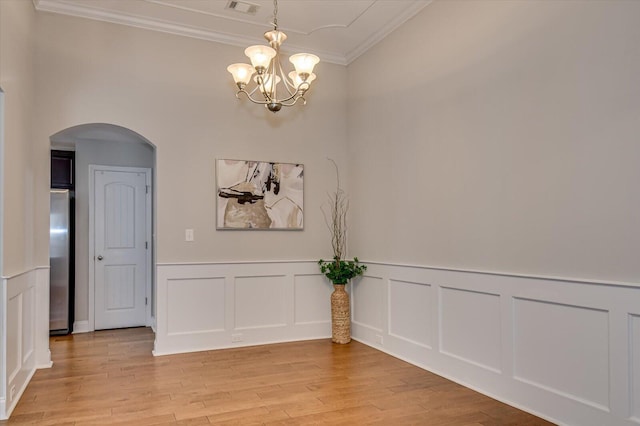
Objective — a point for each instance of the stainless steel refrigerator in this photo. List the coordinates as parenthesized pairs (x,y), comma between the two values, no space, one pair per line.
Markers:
(60,262)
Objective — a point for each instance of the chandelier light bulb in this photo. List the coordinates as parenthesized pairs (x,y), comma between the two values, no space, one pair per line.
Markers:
(266,86)
(304,62)
(260,56)
(241,73)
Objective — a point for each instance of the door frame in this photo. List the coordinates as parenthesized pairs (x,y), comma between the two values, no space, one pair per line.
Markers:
(93,168)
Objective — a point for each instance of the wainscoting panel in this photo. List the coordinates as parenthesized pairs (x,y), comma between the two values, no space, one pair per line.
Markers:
(260,302)
(635,366)
(410,316)
(197,305)
(470,327)
(312,299)
(24,345)
(557,360)
(565,350)
(367,302)
(223,305)
(14,336)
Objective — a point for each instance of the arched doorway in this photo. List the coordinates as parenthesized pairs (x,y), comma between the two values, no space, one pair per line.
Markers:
(107,149)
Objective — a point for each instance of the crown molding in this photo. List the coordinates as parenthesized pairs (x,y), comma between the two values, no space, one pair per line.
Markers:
(167,27)
(386,30)
(77,10)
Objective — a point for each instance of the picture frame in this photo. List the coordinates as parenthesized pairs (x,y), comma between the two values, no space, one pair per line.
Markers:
(259,195)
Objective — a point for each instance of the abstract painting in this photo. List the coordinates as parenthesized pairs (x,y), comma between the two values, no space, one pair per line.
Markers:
(259,195)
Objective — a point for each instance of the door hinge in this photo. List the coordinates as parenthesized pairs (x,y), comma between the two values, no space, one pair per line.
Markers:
(146,245)
(146,188)
(146,301)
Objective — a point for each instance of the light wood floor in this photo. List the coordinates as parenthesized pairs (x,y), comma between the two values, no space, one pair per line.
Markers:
(110,377)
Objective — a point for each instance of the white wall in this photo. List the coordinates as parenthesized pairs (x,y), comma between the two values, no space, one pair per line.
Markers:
(25,180)
(21,169)
(176,92)
(501,136)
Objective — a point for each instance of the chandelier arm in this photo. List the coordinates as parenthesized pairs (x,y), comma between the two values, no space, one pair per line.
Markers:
(248,95)
(287,84)
(295,100)
(272,95)
(285,102)
(260,84)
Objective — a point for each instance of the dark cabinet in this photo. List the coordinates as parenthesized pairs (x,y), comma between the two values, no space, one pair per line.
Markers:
(62,169)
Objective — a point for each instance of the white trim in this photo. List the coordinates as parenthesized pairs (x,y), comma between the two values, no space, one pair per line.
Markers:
(30,344)
(168,27)
(509,274)
(28,271)
(391,26)
(3,348)
(410,265)
(525,344)
(155,24)
(236,262)
(218,309)
(93,168)
(447,376)
(43,353)
(81,327)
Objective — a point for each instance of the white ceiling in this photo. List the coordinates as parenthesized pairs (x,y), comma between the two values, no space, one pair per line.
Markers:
(337,31)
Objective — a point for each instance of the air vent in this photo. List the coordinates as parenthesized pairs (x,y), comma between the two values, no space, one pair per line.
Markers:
(243,7)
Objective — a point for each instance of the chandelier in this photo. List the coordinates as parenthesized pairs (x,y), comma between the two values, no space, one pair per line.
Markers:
(273,88)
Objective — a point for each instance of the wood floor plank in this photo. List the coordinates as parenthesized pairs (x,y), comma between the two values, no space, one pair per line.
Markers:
(110,377)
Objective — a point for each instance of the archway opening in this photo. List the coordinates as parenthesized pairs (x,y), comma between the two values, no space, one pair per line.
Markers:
(104,146)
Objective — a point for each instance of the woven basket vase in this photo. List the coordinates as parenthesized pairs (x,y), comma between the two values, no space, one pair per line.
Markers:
(340,315)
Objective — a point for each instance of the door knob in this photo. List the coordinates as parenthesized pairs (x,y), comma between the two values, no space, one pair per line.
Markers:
(100,257)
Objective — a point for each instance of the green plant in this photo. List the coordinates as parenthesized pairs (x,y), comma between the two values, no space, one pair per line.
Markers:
(341,271)
(338,270)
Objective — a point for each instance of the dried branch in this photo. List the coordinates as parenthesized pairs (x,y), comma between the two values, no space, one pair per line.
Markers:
(339,271)
(335,217)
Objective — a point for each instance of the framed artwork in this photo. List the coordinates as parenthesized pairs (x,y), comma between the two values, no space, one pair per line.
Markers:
(259,195)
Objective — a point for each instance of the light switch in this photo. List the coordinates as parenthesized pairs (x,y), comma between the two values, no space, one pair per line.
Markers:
(188,234)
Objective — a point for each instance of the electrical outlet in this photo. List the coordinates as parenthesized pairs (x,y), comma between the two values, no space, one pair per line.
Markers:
(235,338)
(188,234)
(12,393)
(378,339)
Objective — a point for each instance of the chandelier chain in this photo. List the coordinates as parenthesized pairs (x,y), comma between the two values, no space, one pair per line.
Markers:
(275,14)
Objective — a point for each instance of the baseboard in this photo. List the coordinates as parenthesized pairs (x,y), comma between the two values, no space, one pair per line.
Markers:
(47,363)
(7,409)
(81,327)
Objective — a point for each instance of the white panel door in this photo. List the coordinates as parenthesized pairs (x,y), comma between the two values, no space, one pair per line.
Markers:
(120,251)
